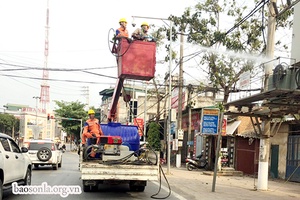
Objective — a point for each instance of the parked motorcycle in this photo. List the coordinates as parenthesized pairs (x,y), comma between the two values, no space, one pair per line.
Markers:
(198,163)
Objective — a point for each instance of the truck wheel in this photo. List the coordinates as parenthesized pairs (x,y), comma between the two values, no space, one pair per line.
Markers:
(189,167)
(86,188)
(89,188)
(136,188)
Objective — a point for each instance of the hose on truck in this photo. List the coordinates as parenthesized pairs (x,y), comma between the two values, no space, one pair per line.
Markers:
(124,160)
(161,171)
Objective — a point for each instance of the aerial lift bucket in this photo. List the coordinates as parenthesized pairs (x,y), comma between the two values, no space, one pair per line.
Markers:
(136,60)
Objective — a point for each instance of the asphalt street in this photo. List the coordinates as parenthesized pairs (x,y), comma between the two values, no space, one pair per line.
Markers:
(184,184)
(69,175)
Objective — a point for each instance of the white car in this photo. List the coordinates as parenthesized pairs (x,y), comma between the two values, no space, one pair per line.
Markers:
(44,152)
(15,164)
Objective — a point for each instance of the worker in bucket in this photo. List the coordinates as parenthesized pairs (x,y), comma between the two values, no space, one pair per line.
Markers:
(122,31)
(92,128)
(143,33)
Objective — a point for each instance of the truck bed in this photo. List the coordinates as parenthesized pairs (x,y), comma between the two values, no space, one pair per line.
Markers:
(93,170)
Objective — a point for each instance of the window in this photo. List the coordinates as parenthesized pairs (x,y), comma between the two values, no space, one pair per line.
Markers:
(37,146)
(15,148)
(5,144)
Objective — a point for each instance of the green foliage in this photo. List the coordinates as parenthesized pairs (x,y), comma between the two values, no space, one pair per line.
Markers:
(74,110)
(8,123)
(153,138)
(203,26)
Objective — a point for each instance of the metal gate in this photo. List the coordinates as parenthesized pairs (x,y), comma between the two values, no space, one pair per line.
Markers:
(293,159)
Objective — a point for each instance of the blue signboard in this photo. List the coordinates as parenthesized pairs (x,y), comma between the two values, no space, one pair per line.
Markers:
(210,121)
(173,128)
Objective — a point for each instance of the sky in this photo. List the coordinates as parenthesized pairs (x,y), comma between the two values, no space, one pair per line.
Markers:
(78,39)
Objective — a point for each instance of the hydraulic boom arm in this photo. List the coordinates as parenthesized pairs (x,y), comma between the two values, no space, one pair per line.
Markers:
(115,99)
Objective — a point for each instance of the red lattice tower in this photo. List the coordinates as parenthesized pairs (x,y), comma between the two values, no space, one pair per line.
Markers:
(45,97)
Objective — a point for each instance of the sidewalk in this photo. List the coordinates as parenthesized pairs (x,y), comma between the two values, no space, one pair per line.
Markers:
(195,185)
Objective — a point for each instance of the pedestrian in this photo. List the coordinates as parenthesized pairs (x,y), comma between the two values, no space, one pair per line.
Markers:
(92,128)
(143,33)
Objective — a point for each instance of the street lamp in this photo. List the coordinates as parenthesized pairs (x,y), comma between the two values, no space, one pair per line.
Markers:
(170,90)
(36,107)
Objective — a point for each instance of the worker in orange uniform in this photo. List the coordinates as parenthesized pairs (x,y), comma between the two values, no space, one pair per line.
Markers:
(92,128)
(122,31)
(143,33)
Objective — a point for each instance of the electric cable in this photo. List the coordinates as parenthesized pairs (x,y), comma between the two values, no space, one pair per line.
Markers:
(115,43)
(67,80)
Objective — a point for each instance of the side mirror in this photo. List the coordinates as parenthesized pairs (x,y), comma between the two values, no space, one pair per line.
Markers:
(24,150)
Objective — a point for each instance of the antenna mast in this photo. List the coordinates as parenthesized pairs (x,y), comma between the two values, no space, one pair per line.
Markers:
(45,98)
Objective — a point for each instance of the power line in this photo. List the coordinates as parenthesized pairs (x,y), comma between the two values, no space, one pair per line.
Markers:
(73,81)
(50,69)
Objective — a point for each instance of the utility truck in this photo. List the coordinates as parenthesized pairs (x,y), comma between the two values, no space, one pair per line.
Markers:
(119,157)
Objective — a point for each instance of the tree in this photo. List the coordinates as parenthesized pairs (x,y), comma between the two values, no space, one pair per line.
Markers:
(153,138)
(203,27)
(9,124)
(71,110)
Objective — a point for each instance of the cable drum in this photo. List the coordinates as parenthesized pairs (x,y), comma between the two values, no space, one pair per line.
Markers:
(297,78)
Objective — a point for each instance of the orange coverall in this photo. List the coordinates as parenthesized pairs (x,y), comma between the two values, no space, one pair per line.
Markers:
(121,32)
(91,129)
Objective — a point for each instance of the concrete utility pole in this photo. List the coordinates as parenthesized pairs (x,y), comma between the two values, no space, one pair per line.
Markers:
(145,111)
(190,90)
(169,104)
(264,146)
(179,121)
(170,90)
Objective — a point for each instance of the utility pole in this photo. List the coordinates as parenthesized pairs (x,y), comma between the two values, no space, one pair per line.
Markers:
(170,90)
(179,121)
(36,108)
(190,91)
(36,129)
(169,104)
(264,146)
(145,110)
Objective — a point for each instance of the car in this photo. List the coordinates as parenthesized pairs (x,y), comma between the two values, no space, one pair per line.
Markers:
(44,152)
(15,164)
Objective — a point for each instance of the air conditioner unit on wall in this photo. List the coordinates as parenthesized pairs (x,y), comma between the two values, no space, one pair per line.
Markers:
(284,78)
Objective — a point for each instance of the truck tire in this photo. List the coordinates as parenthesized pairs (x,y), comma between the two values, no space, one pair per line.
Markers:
(89,188)
(136,188)
(44,154)
(86,188)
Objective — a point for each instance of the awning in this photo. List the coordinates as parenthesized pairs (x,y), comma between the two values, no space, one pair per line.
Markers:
(231,127)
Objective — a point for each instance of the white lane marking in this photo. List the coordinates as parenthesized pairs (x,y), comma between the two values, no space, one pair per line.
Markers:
(172,192)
